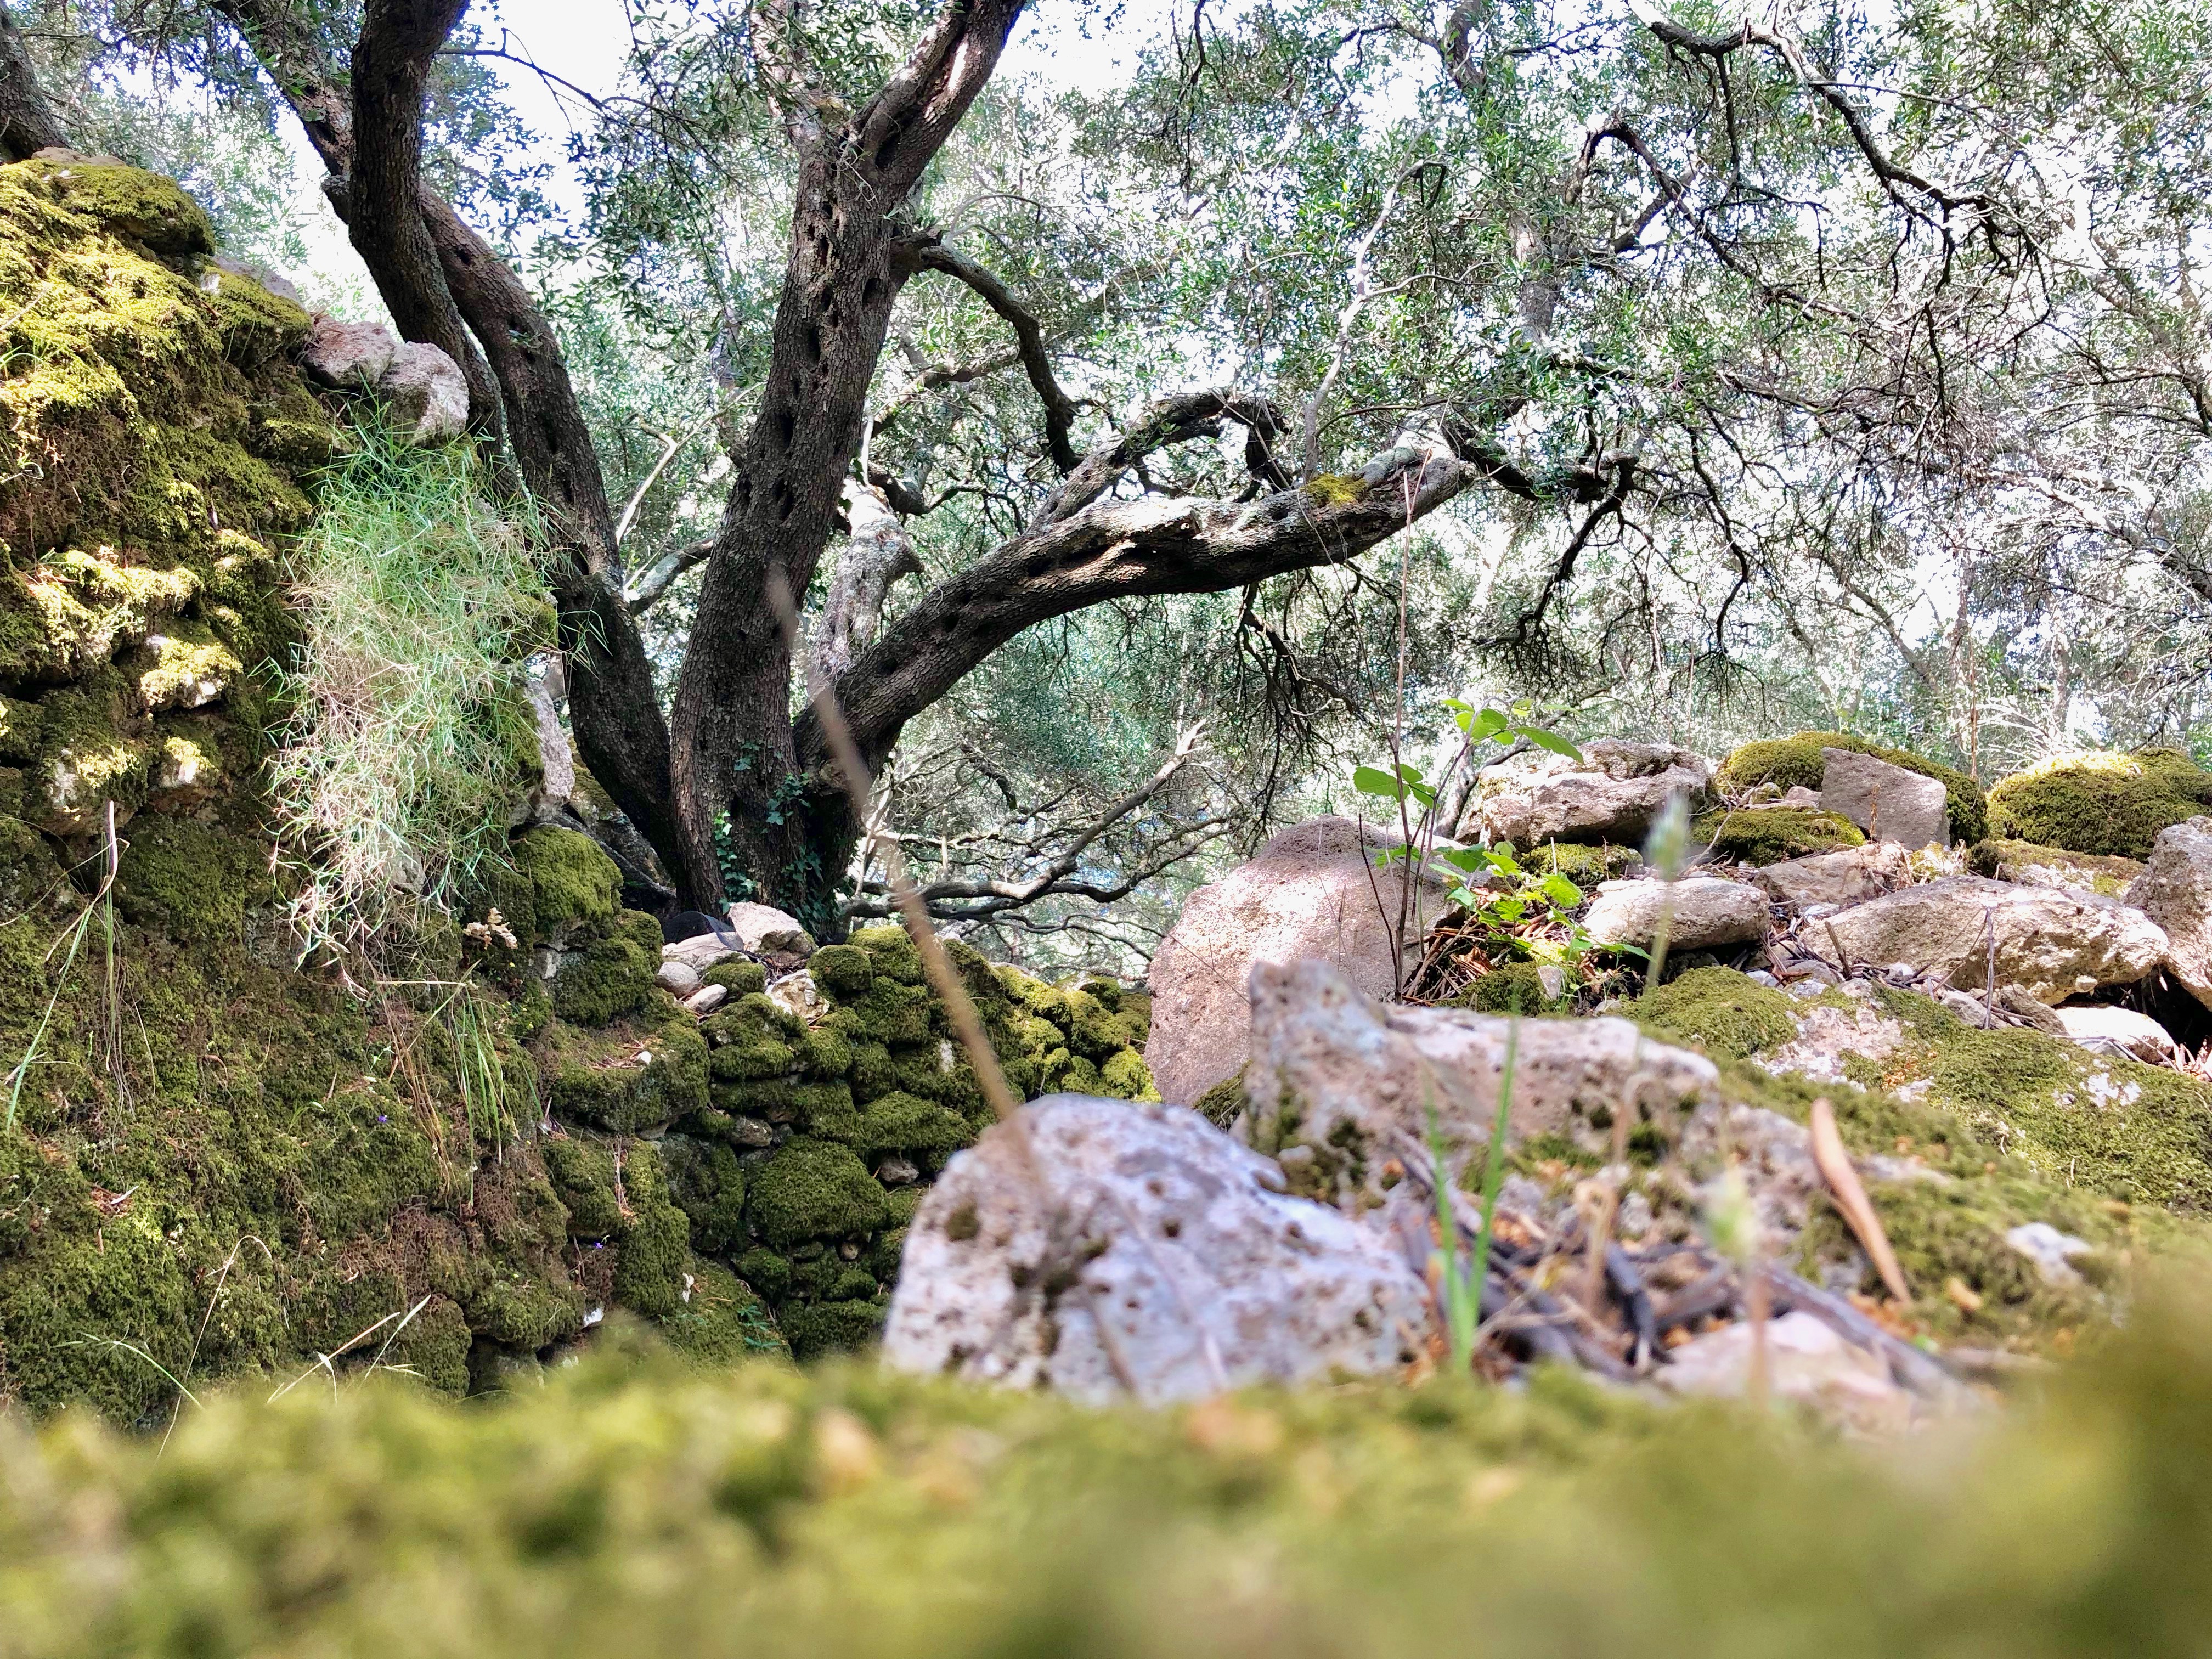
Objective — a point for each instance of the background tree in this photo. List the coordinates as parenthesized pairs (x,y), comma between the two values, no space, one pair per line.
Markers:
(1706,368)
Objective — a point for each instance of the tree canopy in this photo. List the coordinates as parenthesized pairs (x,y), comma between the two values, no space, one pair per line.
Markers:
(1140,446)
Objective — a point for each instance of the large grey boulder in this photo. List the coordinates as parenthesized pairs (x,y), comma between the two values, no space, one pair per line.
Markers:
(1111,1251)
(1312,893)
(1847,876)
(425,397)
(1709,913)
(2175,891)
(1611,795)
(1338,1082)
(2055,945)
(1890,803)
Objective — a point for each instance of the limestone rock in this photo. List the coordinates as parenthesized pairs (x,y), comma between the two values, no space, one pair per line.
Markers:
(698,954)
(1309,895)
(424,395)
(2108,1030)
(1136,1251)
(1846,876)
(707,998)
(2056,945)
(353,356)
(677,976)
(1336,1080)
(773,935)
(1807,1364)
(1709,912)
(1612,795)
(1888,802)
(2175,891)
(2051,1251)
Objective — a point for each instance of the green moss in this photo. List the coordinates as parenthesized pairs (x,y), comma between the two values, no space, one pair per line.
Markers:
(753,1037)
(2106,804)
(740,978)
(1336,488)
(2008,860)
(21,727)
(903,1122)
(635,1075)
(819,1329)
(843,972)
(254,323)
(194,882)
(610,978)
(1795,762)
(1220,1104)
(1768,834)
(562,884)
(892,952)
(582,1172)
(720,1321)
(1720,1011)
(1515,988)
(655,1251)
(709,1185)
(812,1189)
(1125,1077)
(1585,866)
(142,207)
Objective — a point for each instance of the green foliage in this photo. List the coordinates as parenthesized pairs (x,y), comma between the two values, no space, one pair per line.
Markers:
(2106,804)
(412,738)
(1795,762)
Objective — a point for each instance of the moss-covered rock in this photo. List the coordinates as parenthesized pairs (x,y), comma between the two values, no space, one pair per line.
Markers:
(609,978)
(633,1075)
(1795,762)
(2023,860)
(2106,804)
(814,1189)
(1720,1011)
(1768,834)
(1516,988)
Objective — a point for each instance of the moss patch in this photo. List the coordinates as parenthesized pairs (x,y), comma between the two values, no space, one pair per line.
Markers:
(1719,1011)
(2111,804)
(1795,762)
(1768,834)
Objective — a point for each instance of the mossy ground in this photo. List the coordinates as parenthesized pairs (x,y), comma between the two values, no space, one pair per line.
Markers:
(2112,804)
(2012,1126)
(1795,762)
(634,1504)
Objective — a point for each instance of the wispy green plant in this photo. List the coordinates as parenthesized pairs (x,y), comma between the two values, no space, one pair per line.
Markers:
(409,735)
(1463,1281)
(492,1094)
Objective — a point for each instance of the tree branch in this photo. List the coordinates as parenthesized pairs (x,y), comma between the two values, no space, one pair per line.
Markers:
(1059,408)
(1116,550)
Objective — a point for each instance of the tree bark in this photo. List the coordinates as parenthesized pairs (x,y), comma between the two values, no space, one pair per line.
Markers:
(731,749)
(27,124)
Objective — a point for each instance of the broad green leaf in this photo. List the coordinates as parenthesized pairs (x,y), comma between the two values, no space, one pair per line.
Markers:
(1369,781)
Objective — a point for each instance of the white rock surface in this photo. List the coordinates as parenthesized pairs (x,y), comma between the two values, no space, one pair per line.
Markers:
(1807,1364)
(2051,1251)
(1850,875)
(1612,795)
(350,354)
(1888,802)
(1136,1251)
(675,975)
(707,998)
(2175,891)
(2055,945)
(762,928)
(1339,1078)
(1309,894)
(698,954)
(1709,912)
(2109,1029)
(424,395)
